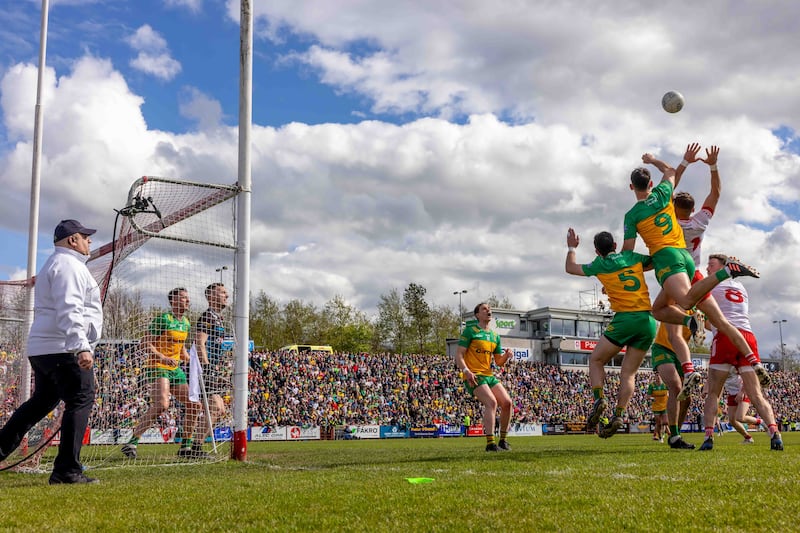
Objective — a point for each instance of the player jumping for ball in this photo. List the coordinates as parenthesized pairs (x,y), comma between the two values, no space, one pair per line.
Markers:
(653,217)
(622,276)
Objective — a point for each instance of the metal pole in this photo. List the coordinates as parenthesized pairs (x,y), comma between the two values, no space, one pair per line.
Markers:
(783,350)
(33,221)
(460,309)
(220,270)
(242,265)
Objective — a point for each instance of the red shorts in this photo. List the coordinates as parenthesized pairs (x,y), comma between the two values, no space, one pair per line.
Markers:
(697,277)
(732,400)
(724,352)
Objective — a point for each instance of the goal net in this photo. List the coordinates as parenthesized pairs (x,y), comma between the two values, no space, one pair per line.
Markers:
(171,234)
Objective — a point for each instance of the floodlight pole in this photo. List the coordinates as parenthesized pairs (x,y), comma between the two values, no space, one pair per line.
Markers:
(221,270)
(460,309)
(242,265)
(783,350)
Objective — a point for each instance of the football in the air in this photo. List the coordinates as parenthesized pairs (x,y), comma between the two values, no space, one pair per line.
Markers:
(672,102)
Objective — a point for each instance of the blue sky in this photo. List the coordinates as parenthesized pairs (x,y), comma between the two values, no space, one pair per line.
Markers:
(447,144)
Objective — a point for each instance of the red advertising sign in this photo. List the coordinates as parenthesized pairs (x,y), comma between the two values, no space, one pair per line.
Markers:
(588,346)
(475,431)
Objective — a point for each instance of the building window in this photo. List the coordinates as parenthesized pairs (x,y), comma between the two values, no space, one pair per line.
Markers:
(590,330)
(562,327)
(523,325)
(574,358)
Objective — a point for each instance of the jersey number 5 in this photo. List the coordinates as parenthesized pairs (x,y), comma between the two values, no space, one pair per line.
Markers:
(625,276)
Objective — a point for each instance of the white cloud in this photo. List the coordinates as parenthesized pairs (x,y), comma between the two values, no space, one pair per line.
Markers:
(147,39)
(360,209)
(194,6)
(154,57)
(160,65)
(545,60)
(201,108)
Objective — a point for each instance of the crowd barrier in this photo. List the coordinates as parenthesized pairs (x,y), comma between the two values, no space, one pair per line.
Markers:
(360,432)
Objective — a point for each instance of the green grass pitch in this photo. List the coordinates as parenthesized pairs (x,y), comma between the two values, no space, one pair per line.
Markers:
(558,483)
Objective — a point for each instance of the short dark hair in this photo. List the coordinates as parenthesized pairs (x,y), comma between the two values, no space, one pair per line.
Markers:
(640,178)
(604,243)
(683,200)
(211,288)
(174,293)
(477,307)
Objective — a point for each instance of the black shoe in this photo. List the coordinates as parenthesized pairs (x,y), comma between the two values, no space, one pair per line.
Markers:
(190,453)
(611,429)
(129,450)
(708,444)
(737,269)
(693,325)
(597,411)
(763,377)
(504,445)
(492,447)
(58,479)
(677,443)
(775,443)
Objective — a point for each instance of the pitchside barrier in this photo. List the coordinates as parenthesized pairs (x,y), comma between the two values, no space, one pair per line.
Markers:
(168,434)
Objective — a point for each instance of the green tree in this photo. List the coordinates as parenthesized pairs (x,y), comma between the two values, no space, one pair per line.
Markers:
(498,303)
(444,325)
(392,323)
(419,314)
(301,323)
(265,322)
(347,328)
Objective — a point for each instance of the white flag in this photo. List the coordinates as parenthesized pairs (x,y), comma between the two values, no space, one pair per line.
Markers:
(194,375)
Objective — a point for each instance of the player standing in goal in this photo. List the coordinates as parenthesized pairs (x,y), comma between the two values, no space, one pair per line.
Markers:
(209,336)
(164,347)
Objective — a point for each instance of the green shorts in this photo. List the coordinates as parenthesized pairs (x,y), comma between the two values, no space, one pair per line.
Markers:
(175,377)
(660,412)
(491,381)
(669,261)
(661,355)
(636,329)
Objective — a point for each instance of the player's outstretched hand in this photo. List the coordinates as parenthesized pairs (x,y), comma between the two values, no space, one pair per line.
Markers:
(572,238)
(690,156)
(648,158)
(711,155)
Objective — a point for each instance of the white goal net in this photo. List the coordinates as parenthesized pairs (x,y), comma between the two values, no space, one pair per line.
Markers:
(174,244)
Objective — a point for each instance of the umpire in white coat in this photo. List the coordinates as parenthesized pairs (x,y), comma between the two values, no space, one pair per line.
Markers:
(67,321)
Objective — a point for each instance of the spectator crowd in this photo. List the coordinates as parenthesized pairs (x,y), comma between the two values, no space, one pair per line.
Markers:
(322,389)
(388,389)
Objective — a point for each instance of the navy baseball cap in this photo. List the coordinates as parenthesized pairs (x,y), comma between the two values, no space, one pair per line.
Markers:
(69,227)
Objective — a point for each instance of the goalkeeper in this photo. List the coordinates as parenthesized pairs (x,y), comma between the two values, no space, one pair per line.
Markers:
(210,334)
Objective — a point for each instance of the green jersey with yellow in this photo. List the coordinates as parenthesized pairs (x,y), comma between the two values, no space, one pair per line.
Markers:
(659,393)
(169,335)
(622,275)
(481,345)
(654,219)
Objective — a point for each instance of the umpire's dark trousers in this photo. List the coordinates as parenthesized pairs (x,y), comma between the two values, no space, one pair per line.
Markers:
(56,377)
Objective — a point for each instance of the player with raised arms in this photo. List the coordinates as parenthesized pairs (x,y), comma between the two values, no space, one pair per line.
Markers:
(653,217)
(622,276)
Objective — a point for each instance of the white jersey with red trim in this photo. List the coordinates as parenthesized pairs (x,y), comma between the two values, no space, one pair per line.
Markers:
(693,230)
(733,301)
(734,382)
